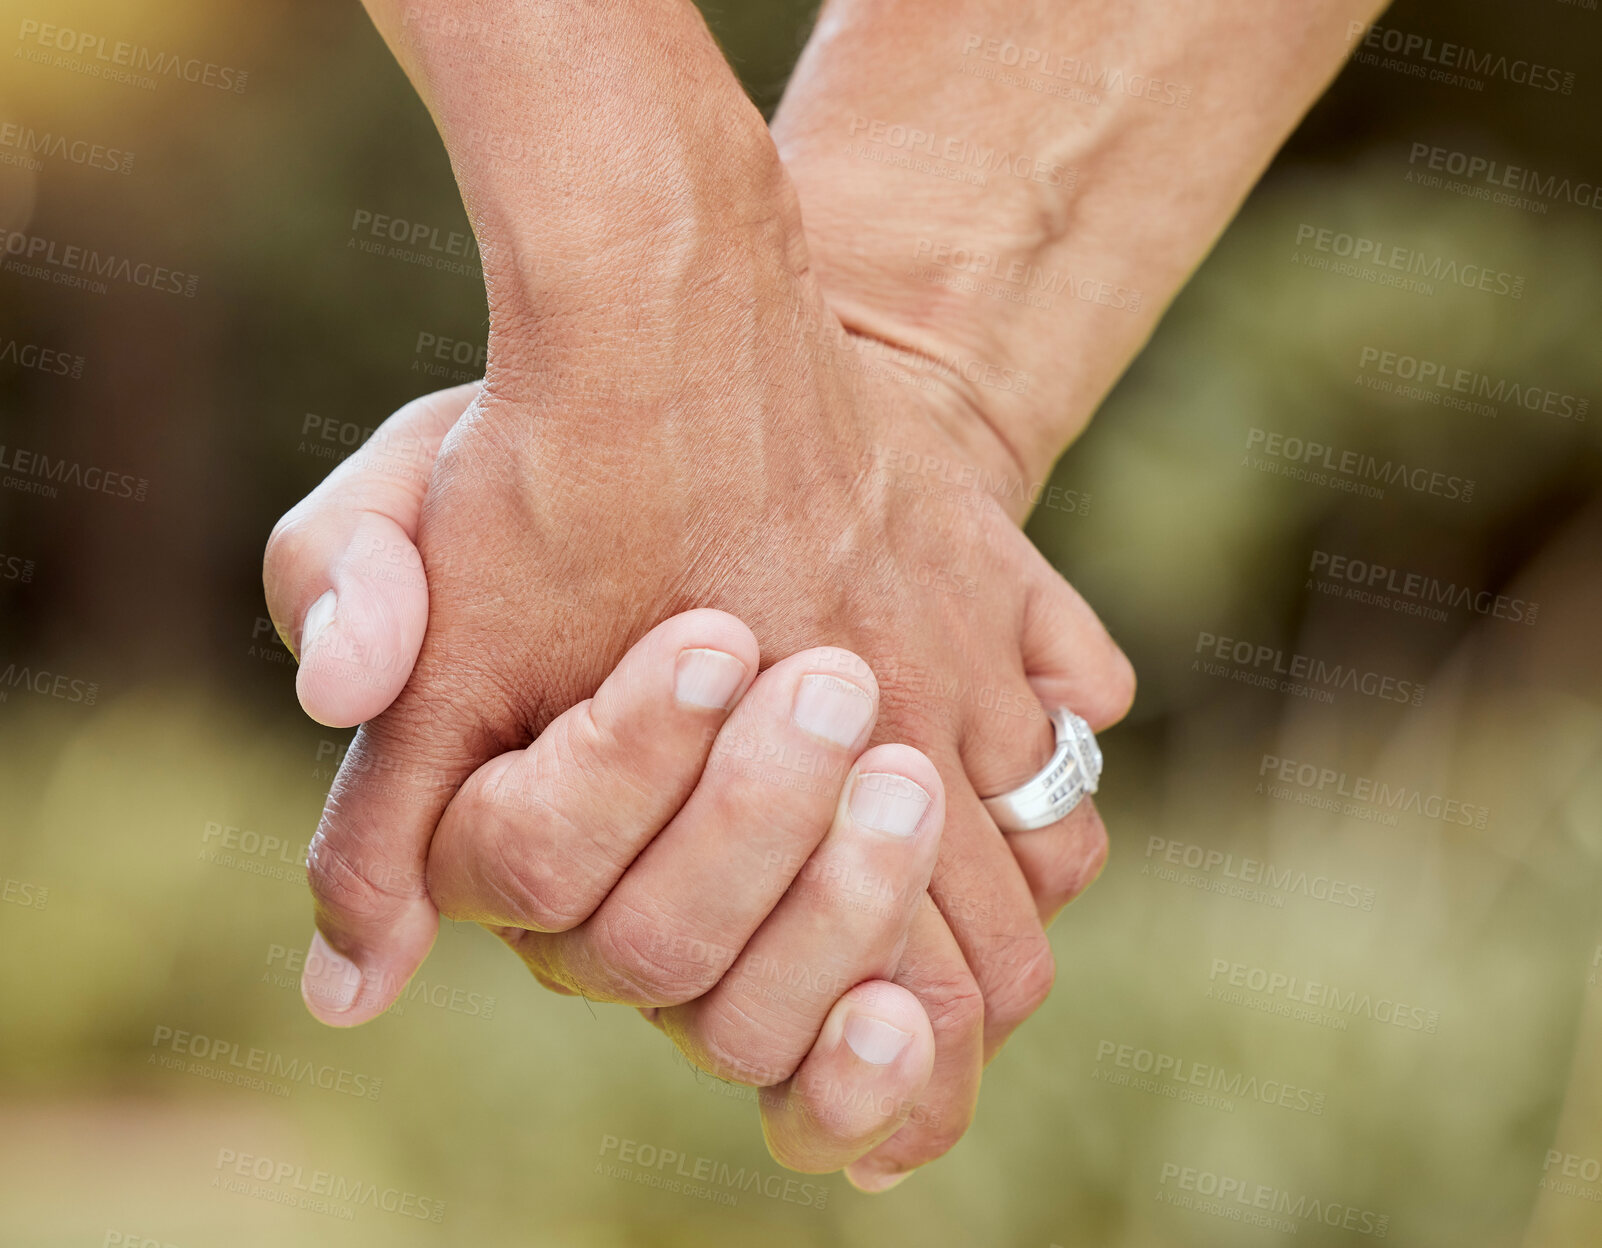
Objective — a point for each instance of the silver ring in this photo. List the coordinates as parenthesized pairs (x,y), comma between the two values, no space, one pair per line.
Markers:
(1073,772)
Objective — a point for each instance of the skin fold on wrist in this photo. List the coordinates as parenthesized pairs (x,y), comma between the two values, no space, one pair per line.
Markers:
(1058,273)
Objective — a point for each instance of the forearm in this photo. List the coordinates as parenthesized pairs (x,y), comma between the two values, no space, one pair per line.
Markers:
(589,141)
(1061,169)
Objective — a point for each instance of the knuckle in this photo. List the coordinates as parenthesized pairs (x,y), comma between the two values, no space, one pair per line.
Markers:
(734,1045)
(933,1125)
(932,1132)
(533,892)
(1027,976)
(355,887)
(637,962)
(527,886)
(1077,858)
(630,760)
(954,1004)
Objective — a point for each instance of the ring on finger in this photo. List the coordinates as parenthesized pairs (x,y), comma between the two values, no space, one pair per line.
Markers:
(1071,774)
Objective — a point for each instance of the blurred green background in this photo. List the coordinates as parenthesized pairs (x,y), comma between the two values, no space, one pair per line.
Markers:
(122,924)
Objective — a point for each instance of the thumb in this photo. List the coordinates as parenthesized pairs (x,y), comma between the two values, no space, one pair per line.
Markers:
(345,585)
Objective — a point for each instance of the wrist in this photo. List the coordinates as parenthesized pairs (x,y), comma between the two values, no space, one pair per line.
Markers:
(963,203)
(589,143)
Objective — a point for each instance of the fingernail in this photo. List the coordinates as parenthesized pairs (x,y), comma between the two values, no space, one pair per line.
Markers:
(330,982)
(874,1040)
(833,709)
(318,617)
(707,678)
(888,803)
